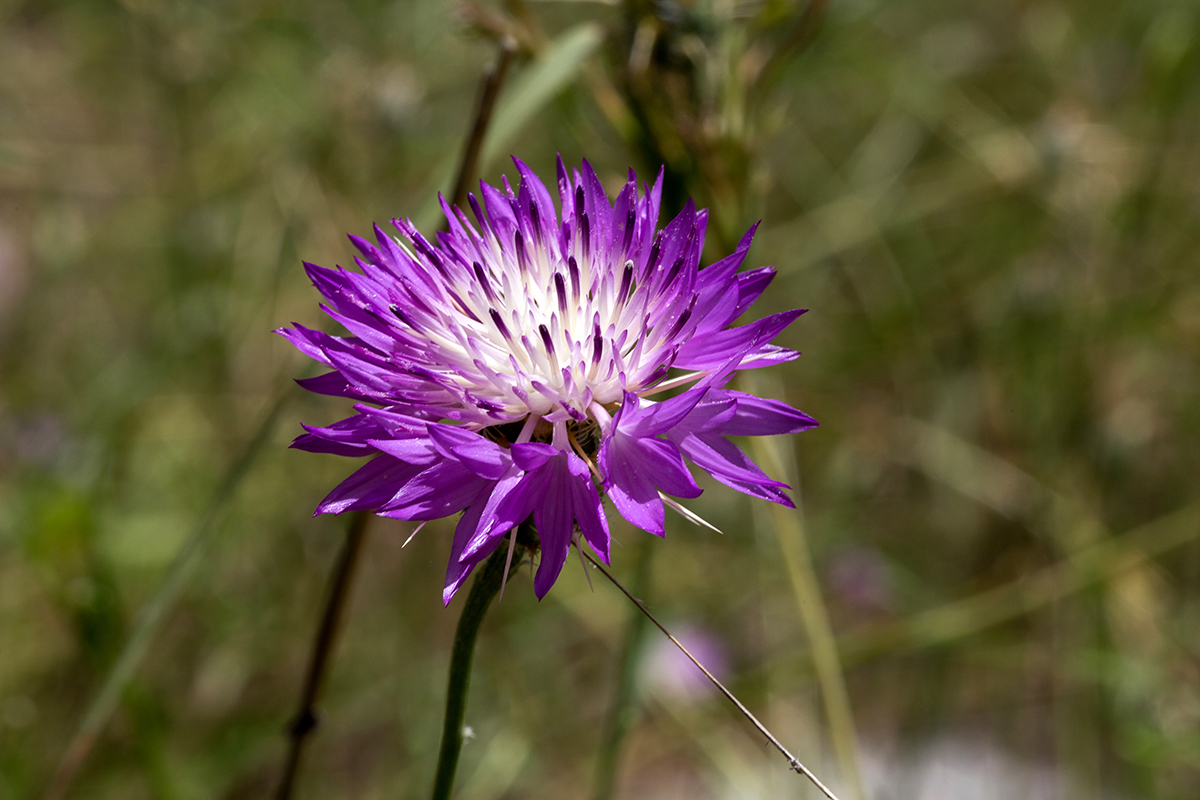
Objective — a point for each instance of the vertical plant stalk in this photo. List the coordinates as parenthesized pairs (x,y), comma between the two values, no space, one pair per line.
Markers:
(323,646)
(620,715)
(488,581)
(493,79)
(793,762)
(789,531)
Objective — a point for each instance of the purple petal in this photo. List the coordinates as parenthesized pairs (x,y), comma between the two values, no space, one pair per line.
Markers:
(302,341)
(561,493)
(330,383)
(555,519)
(412,449)
(635,469)
(372,330)
(315,444)
(598,207)
(533,190)
(713,411)
(348,437)
(750,286)
(589,510)
(767,355)
(631,490)
(532,455)
(728,464)
(659,417)
(457,571)
(756,416)
(705,352)
(438,491)
(510,503)
(486,458)
(369,487)
(370,252)
(665,464)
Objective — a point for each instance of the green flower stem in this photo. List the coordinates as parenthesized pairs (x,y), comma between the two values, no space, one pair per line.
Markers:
(623,710)
(487,584)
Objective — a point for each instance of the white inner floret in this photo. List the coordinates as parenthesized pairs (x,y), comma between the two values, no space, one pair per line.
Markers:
(548,334)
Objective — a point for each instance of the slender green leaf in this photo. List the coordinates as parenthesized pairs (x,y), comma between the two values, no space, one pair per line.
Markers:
(536,86)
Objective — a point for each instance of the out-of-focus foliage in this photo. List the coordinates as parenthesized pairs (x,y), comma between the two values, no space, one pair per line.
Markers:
(992,209)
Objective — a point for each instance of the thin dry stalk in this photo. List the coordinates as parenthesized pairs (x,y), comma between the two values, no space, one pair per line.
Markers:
(305,721)
(793,762)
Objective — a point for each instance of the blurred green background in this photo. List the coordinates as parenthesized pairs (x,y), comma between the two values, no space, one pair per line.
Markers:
(992,209)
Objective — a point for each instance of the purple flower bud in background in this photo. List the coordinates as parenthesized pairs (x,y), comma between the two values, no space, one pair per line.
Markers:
(666,671)
(516,366)
(861,578)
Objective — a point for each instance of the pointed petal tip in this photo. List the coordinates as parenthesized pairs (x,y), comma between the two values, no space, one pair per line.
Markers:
(524,169)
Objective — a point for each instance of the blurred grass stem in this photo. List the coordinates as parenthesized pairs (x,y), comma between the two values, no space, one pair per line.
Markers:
(793,541)
(1088,566)
(306,718)
(793,762)
(152,615)
(621,712)
(496,570)
(789,530)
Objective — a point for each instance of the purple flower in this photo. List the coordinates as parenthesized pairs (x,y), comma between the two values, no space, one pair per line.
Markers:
(508,369)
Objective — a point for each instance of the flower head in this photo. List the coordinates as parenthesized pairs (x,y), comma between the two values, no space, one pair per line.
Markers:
(510,368)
